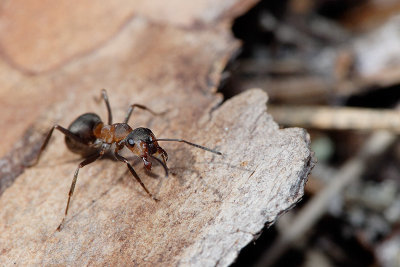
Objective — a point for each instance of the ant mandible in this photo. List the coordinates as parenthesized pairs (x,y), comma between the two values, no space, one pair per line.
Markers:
(91,138)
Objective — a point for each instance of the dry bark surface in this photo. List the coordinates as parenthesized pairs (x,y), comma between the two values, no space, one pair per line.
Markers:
(211,206)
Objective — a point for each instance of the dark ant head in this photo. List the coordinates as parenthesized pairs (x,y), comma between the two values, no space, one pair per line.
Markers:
(143,143)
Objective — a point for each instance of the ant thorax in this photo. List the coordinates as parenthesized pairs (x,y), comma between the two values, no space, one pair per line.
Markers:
(112,133)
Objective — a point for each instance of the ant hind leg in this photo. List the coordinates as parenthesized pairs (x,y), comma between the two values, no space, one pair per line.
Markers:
(46,141)
(72,188)
(105,97)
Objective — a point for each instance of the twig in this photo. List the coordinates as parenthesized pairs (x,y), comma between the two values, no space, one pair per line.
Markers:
(337,118)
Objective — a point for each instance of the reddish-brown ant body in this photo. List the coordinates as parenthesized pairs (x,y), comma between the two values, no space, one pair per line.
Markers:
(91,138)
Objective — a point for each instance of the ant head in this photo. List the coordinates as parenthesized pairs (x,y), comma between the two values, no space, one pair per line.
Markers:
(143,143)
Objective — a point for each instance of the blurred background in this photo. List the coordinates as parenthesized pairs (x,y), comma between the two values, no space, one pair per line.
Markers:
(332,67)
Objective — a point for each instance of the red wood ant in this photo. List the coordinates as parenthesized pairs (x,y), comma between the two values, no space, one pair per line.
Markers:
(91,138)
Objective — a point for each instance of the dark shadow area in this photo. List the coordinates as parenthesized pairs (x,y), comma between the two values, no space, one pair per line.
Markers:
(377,98)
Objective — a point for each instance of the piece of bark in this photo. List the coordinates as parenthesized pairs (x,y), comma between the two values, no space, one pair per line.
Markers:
(211,206)
(349,173)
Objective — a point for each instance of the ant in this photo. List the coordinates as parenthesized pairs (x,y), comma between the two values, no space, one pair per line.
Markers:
(91,138)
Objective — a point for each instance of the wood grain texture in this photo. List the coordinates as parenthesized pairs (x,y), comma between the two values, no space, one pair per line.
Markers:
(211,206)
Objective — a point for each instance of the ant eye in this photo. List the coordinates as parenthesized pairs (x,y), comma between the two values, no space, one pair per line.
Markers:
(131,142)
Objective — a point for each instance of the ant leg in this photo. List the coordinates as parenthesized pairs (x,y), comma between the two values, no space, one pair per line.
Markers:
(121,158)
(128,115)
(46,141)
(105,97)
(162,164)
(72,188)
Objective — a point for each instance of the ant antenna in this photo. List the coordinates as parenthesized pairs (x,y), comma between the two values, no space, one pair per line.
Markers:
(192,144)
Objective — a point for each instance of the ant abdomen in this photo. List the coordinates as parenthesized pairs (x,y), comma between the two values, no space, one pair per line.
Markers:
(83,127)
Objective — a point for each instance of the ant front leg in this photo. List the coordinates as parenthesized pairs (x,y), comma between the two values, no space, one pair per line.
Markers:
(121,158)
(131,108)
(46,141)
(87,161)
